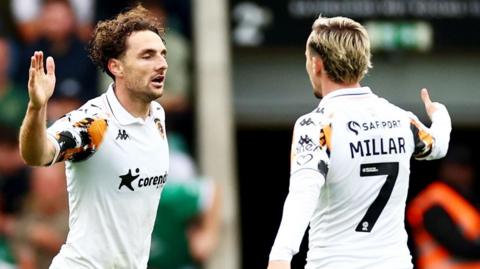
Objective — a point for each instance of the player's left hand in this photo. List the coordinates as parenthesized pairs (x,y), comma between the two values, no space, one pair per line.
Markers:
(430,106)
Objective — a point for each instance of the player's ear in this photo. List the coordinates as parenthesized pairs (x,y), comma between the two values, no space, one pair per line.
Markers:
(115,67)
(317,65)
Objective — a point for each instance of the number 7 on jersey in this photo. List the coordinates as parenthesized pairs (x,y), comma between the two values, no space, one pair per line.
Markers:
(376,208)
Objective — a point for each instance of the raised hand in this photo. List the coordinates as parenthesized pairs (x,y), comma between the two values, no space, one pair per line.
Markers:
(40,84)
(430,106)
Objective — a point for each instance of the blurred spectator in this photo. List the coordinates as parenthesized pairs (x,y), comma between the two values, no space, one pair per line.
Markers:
(13,173)
(76,75)
(7,25)
(106,9)
(187,223)
(29,25)
(42,227)
(13,99)
(179,11)
(13,188)
(60,106)
(6,256)
(445,217)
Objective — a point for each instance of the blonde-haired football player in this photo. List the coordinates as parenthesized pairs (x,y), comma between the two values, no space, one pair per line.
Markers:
(350,160)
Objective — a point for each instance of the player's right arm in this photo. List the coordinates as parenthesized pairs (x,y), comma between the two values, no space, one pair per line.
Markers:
(431,143)
(35,147)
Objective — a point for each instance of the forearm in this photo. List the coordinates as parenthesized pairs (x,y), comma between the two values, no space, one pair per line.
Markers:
(440,130)
(46,238)
(297,212)
(212,218)
(35,147)
(204,237)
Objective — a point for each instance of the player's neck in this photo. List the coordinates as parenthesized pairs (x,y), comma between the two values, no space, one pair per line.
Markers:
(135,106)
(329,86)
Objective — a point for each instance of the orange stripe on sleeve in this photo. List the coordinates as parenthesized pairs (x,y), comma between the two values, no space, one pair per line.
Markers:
(96,131)
(325,137)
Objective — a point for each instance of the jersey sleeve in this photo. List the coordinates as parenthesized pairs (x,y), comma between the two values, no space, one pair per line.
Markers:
(431,143)
(310,146)
(309,167)
(77,135)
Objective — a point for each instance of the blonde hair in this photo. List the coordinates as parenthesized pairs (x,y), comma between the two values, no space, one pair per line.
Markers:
(344,47)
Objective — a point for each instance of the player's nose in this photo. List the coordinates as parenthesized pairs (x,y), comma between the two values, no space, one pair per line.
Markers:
(161,64)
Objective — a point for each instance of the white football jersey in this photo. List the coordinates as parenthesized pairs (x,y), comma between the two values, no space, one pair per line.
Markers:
(116,168)
(350,169)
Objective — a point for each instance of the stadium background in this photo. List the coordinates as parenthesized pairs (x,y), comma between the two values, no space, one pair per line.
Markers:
(248,85)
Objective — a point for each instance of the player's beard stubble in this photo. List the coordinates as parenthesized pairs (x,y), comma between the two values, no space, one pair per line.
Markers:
(142,89)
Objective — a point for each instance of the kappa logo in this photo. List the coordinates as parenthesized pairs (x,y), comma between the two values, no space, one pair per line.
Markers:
(320,110)
(304,140)
(122,135)
(128,179)
(306,122)
(306,144)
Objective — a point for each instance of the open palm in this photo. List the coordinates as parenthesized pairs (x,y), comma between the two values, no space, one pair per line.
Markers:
(40,84)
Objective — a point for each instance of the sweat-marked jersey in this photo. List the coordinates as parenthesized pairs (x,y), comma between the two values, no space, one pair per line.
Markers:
(350,168)
(116,168)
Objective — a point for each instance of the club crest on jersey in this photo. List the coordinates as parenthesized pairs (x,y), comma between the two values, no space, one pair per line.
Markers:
(159,125)
(129,181)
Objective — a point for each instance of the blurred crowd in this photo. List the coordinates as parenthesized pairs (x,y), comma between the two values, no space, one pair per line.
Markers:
(444,217)
(33,200)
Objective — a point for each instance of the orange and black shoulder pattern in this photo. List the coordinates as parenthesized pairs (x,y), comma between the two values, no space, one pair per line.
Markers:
(79,134)
(423,141)
(326,138)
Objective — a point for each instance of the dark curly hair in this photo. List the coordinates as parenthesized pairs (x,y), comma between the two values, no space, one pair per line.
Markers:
(110,36)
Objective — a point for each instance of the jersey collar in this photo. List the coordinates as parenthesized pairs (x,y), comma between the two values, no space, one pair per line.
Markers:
(119,112)
(346,92)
